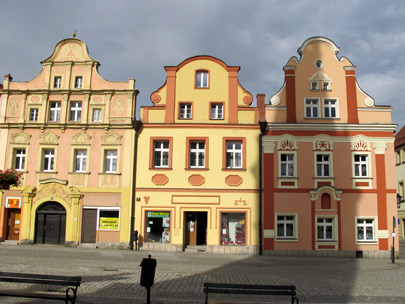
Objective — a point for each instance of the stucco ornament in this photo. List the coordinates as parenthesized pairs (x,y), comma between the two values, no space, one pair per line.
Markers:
(14,106)
(287,144)
(380,148)
(275,100)
(268,147)
(155,97)
(323,145)
(361,145)
(20,138)
(369,102)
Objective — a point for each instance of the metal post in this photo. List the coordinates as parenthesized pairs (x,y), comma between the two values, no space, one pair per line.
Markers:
(147,295)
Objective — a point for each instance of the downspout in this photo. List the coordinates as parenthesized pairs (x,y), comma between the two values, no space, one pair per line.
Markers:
(262,131)
(136,124)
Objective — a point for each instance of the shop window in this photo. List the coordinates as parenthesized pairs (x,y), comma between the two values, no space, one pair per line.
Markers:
(109,219)
(233,227)
(157,227)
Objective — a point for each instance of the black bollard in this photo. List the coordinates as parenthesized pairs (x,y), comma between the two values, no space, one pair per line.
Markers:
(148,275)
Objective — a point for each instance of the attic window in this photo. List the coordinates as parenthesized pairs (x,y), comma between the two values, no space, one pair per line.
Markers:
(319,63)
(201,79)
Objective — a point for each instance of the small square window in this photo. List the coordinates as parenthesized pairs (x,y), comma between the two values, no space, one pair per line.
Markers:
(185,111)
(202,79)
(217,111)
(96,117)
(314,85)
(34,114)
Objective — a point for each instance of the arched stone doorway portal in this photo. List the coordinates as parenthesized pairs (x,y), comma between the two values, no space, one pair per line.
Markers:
(50,224)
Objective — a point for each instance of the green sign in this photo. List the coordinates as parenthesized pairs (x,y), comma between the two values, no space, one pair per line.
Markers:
(158,214)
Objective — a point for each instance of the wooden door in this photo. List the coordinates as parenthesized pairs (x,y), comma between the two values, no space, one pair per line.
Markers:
(52,228)
(13,224)
(191,228)
(89,227)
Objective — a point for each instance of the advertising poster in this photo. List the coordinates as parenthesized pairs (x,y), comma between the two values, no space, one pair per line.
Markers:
(13,202)
(109,223)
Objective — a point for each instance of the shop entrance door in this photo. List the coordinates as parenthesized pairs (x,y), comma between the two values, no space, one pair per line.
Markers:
(50,224)
(13,224)
(196,228)
(89,227)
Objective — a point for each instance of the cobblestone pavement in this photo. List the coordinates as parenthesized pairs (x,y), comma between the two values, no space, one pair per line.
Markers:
(112,276)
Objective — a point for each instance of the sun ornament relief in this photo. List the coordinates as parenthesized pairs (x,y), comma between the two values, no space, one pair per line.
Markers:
(287,144)
(275,101)
(361,145)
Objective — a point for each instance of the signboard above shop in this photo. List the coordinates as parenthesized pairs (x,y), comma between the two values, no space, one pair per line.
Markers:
(13,202)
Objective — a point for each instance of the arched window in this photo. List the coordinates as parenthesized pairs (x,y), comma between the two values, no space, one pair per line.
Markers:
(201,79)
(325,201)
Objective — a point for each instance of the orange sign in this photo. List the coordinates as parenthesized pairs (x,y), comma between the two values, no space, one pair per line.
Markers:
(13,202)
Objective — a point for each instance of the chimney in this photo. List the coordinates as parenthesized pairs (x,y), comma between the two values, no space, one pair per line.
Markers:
(261,105)
(8,77)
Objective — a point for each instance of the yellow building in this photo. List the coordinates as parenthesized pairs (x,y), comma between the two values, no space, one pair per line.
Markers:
(198,163)
(69,132)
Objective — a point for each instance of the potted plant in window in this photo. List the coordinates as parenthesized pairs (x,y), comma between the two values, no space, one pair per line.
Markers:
(9,178)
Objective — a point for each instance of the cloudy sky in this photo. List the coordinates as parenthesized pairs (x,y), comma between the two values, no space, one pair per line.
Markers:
(136,39)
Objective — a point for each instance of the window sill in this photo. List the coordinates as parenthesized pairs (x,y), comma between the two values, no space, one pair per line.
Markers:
(285,240)
(109,173)
(47,172)
(158,168)
(362,177)
(324,177)
(366,242)
(75,172)
(234,169)
(196,169)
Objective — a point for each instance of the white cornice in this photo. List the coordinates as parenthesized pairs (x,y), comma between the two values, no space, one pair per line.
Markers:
(331,127)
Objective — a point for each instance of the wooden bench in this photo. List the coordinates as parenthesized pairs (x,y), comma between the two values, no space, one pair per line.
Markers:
(68,295)
(273,290)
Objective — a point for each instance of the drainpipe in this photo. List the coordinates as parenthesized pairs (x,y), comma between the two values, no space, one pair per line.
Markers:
(262,122)
(136,124)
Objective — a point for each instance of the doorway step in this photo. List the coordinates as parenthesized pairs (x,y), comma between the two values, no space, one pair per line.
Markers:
(10,242)
(196,249)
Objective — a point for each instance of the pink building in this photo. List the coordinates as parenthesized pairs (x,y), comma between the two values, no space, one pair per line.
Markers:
(328,161)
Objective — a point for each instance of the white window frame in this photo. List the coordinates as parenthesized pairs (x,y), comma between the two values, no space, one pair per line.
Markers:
(20,159)
(96,115)
(313,104)
(48,160)
(110,161)
(75,111)
(54,111)
(33,115)
(284,223)
(325,224)
(196,152)
(185,110)
(202,79)
(288,162)
(365,226)
(326,85)
(78,82)
(106,209)
(57,82)
(323,163)
(162,151)
(314,85)
(232,153)
(327,105)
(360,164)
(217,111)
(80,164)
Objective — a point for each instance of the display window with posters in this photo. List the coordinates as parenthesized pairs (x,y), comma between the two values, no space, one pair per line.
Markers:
(108,219)
(233,228)
(157,228)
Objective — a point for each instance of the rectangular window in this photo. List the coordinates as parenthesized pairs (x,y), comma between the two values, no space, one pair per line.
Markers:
(161,154)
(185,111)
(314,85)
(233,226)
(323,165)
(19,160)
(78,82)
(217,111)
(285,226)
(157,227)
(330,108)
(325,229)
(75,111)
(34,114)
(57,82)
(80,160)
(202,79)
(311,108)
(287,165)
(108,219)
(54,111)
(326,86)
(197,154)
(361,165)
(49,159)
(365,230)
(111,161)
(96,117)
(233,154)
(401,190)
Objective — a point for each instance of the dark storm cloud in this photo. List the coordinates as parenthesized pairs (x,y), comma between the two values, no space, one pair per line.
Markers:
(136,39)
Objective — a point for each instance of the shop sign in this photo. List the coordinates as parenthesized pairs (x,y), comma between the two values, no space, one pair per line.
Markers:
(13,202)
(158,214)
(109,223)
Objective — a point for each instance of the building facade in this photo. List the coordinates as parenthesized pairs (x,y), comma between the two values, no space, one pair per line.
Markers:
(197,170)
(400,174)
(328,161)
(69,132)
